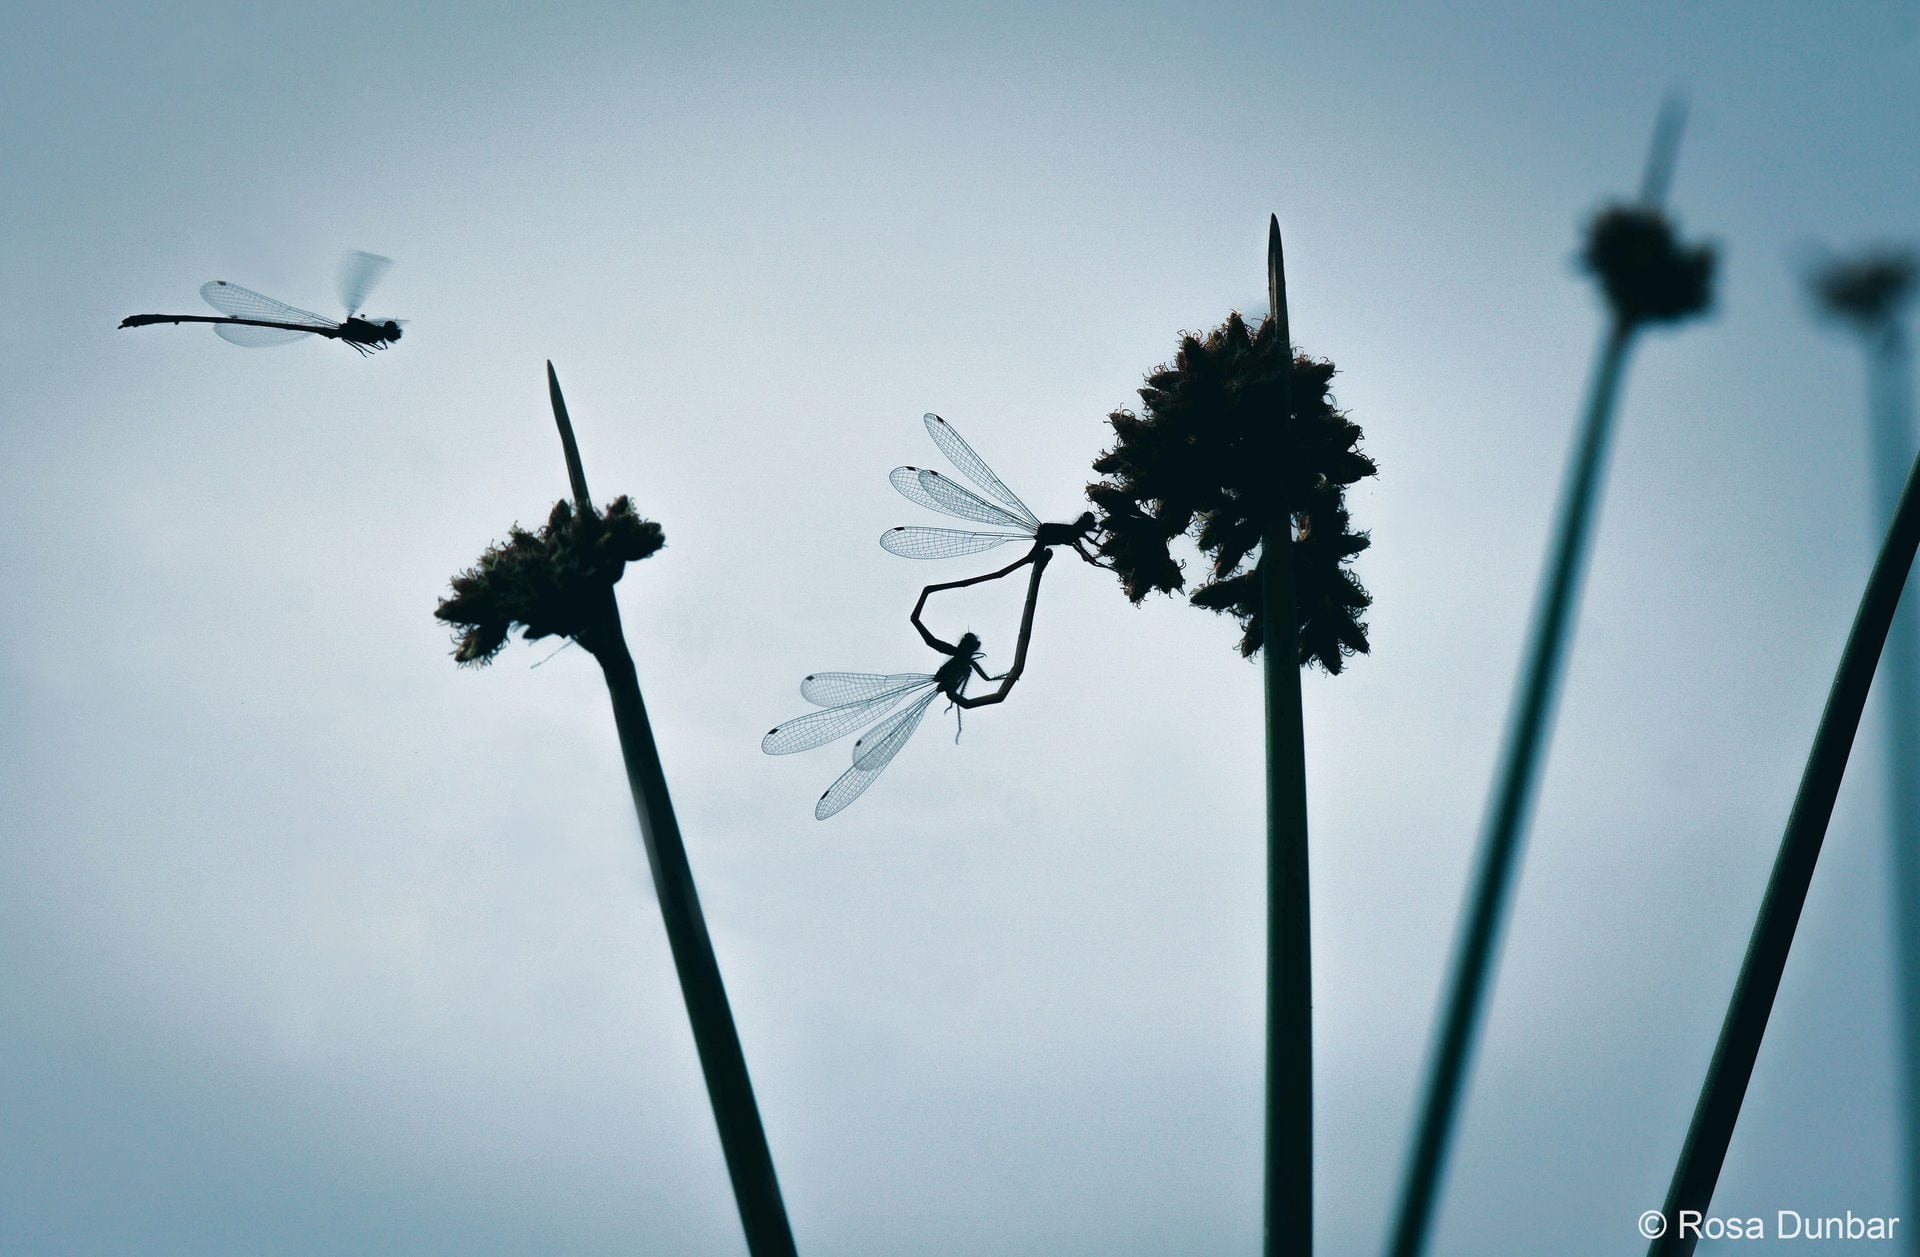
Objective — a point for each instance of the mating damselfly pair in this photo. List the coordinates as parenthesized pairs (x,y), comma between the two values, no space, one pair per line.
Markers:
(855,700)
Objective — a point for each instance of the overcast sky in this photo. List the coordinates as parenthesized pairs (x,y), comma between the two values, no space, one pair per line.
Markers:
(312,944)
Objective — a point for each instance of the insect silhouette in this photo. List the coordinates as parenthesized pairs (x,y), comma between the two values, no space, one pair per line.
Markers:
(1006,515)
(851,700)
(256,321)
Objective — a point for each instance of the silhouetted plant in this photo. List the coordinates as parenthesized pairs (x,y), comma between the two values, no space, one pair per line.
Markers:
(1207,457)
(559,582)
(1870,290)
(1647,274)
(1238,446)
(1649,277)
(1867,293)
(550,583)
(1745,1025)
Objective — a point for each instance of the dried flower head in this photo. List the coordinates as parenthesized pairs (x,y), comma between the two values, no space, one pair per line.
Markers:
(548,582)
(1868,290)
(1648,275)
(1208,456)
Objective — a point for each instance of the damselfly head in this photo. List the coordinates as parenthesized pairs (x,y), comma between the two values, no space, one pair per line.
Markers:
(968,648)
(390,330)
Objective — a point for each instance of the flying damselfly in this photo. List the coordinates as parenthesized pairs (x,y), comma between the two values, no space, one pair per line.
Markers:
(852,700)
(1005,514)
(257,321)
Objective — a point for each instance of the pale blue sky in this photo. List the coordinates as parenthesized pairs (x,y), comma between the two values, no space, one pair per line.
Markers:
(310,944)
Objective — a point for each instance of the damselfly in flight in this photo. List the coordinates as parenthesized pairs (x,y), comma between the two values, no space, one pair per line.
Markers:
(256,321)
(1006,515)
(851,700)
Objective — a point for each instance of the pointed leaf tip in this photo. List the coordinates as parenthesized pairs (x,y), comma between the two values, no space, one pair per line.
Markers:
(1663,152)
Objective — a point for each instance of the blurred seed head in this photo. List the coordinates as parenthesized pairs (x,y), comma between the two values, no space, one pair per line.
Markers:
(1648,275)
(1868,290)
(547,582)
(1208,456)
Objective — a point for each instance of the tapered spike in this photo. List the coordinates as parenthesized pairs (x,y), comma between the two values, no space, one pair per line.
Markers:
(1664,151)
(1277,277)
(575,472)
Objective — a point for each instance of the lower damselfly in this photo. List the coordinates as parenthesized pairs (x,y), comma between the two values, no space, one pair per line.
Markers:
(855,700)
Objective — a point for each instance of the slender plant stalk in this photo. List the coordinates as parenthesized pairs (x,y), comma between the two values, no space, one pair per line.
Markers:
(1899,688)
(744,1141)
(1288,1197)
(1730,1070)
(1519,773)
(1522,754)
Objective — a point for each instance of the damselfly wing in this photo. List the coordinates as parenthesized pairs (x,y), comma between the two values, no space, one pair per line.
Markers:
(1006,516)
(262,313)
(856,700)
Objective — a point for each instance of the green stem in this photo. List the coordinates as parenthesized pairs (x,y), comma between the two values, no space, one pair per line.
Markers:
(1519,773)
(1288,1197)
(1711,1131)
(743,1140)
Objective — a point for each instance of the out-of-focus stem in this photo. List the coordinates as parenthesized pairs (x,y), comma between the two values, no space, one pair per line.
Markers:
(1515,782)
(1478,946)
(1898,685)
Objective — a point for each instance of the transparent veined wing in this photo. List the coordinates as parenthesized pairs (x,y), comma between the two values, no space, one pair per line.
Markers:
(817,728)
(881,743)
(257,337)
(975,468)
(834,689)
(359,272)
(871,755)
(937,493)
(244,303)
(943,543)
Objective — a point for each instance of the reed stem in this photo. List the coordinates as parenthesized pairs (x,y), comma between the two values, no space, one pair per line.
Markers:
(1515,782)
(1898,686)
(1523,753)
(1738,1047)
(1288,1195)
(756,1190)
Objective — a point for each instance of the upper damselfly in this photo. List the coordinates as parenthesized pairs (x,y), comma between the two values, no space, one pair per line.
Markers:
(256,321)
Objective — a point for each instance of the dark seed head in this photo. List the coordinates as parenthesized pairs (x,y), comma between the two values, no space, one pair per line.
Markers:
(547,583)
(1215,456)
(1648,275)
(1870,290)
